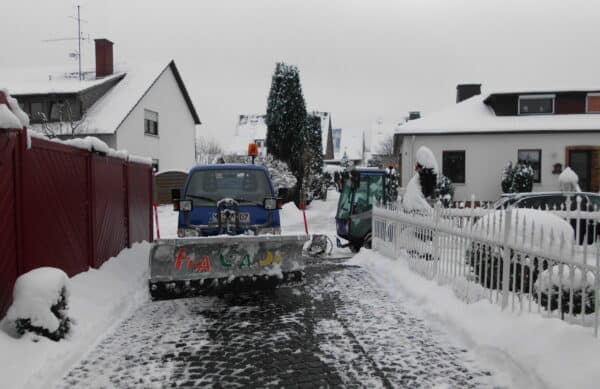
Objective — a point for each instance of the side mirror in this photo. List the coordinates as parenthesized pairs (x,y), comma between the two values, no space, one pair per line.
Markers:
(270,203)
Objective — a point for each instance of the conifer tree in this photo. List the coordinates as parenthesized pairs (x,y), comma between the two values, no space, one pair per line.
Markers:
(286,117)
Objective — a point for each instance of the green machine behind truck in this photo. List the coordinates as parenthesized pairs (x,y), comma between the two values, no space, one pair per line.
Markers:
(361,188)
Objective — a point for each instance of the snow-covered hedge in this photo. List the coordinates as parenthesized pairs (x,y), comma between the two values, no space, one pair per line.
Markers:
(557,279)
(40,303)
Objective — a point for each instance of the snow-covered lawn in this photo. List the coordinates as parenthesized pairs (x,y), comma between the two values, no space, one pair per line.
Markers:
(561,355)
(99,300)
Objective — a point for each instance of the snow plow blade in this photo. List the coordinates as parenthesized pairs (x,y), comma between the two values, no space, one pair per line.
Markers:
(188,265)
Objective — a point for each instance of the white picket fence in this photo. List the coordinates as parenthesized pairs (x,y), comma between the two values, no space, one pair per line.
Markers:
(473,249)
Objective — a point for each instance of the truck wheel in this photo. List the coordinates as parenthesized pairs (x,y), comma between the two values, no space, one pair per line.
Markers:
(354,247)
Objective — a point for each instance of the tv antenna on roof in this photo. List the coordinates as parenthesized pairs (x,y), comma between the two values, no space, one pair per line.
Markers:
(79,38)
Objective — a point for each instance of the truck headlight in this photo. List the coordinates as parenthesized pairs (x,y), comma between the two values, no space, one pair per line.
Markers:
(189,232)
(270,203)
(185,205)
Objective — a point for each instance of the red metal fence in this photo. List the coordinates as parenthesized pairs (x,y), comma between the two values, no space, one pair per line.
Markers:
(65,207)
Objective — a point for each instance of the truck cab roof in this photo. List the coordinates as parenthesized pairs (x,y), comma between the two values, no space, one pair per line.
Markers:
(229,166)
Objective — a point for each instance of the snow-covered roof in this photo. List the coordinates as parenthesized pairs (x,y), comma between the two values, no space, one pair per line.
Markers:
(253,127)
(474,116)
(107,114)
(33,81)
(249,128)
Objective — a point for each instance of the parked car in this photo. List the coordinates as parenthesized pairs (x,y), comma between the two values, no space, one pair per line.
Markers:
(558,201)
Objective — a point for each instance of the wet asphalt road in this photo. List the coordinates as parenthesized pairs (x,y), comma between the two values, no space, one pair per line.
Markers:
(335,328)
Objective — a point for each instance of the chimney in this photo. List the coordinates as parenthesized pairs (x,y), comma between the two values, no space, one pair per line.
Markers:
(104,57)
(412,115)
(466,91)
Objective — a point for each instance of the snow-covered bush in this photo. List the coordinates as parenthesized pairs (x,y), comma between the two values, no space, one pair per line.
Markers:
(552,280)
(40,303)
(522,178)
(392,185)
(507,178)
(569,181)
(427,168)
(445,190)
(517,179)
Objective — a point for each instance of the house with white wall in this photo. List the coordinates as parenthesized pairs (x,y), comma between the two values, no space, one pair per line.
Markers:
(143,109)
(250,128)
(473,140)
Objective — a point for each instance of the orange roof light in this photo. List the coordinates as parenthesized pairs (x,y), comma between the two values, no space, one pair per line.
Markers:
(252,150)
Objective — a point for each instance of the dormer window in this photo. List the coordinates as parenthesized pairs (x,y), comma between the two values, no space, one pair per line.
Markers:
(536,104)
(592,103)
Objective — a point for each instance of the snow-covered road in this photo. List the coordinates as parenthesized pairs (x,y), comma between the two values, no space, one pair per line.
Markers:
(336,328)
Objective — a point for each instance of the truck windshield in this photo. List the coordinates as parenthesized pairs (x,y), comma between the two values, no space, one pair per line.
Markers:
(206,187)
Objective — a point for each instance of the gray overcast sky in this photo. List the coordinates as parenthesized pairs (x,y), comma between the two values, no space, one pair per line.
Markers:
(360,60)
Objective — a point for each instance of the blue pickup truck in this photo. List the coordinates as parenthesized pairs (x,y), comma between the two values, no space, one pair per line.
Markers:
(229,199)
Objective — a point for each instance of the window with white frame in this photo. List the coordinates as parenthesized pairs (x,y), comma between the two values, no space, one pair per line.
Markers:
(150,122)
(532,157)
(536,104)
(592,103)
(453,165)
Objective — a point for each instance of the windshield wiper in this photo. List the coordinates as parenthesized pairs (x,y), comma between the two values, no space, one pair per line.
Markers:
(247,201)
(201,198)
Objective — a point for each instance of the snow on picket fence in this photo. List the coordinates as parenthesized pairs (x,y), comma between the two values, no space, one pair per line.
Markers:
(470,249)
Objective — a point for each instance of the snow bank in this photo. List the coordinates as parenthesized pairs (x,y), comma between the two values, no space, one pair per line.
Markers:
(7,118)
(413,199)
(91,143)
(569,181)
(425,158)
(35,292)
(16,109)
(544,352)
(99,300)
(12,116)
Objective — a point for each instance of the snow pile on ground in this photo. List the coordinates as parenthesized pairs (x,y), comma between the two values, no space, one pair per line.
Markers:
(12,116)
(569,181)
(99,300)
(35,293)
(413,199)
(549,352)
(425,158)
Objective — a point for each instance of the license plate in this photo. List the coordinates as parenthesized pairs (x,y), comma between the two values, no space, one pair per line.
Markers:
(244,218)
